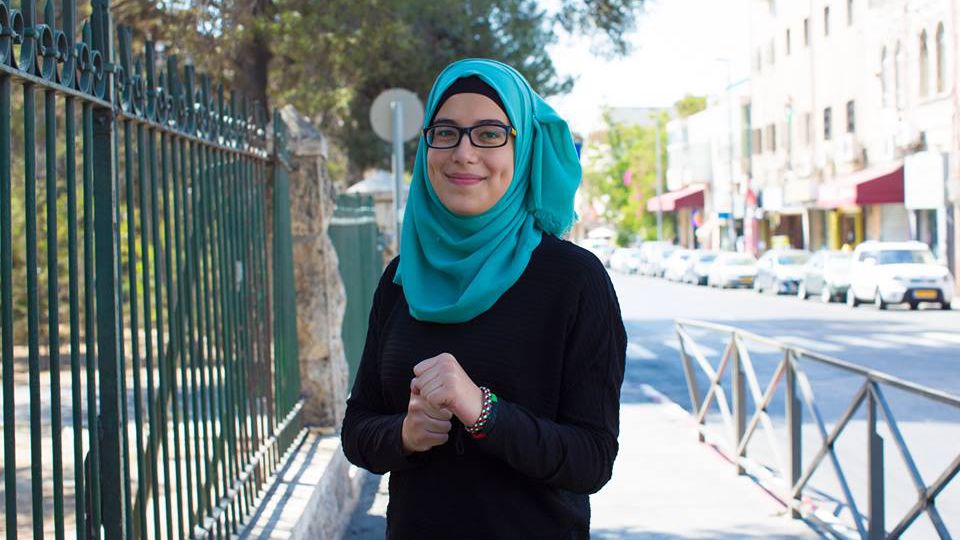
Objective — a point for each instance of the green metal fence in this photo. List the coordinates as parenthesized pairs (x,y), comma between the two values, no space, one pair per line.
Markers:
(355,236)
(163,389)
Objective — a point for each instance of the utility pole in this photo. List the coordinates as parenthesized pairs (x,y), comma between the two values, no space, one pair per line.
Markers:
(656,127)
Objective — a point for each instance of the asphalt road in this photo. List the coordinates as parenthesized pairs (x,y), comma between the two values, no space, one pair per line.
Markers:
(922,347)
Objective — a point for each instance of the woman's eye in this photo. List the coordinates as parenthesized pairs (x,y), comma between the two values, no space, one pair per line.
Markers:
(444,133)
(491,134)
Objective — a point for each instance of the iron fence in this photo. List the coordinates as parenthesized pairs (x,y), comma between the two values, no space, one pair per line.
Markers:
(163,395)
(791,476)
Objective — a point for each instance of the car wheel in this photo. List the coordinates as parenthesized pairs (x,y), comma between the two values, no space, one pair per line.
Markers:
(878,300)
(802,291)
(852,300)
(914,306)
(826,296)
(945,306)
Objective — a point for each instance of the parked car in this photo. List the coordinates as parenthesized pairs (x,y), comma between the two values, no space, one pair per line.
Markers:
(732,270)
(781,270)
(600,247)
(626,260)
(699,267)
(652,255)
(898,272)
(676,265)
(826,274)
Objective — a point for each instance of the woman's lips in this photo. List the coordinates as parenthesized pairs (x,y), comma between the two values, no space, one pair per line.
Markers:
(462,179)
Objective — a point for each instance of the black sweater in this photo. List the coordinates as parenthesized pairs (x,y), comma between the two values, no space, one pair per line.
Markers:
(552,348)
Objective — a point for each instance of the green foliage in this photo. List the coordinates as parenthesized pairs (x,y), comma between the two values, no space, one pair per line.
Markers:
(615,151)
(690,105)
(330,59)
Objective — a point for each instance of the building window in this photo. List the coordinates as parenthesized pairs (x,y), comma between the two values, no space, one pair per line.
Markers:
(898,87)
(851,117)
(745,149)
(826,21)
(773,137)
(772,53)
(757,61)
(924,65)
(849,12)
(806,32)
(941,59)
(807,128)
(826,124)
(757,141)
(884,78)
(787,42)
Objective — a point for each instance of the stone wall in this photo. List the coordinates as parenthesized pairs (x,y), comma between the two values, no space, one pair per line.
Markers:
(320,294)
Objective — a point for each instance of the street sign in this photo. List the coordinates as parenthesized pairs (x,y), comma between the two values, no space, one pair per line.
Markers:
(724,215)
(381,114)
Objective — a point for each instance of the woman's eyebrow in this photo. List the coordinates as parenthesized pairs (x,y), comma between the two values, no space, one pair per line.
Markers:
(455,123)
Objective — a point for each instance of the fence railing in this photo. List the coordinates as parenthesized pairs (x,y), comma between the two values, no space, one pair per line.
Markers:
(164,388)
(792,476)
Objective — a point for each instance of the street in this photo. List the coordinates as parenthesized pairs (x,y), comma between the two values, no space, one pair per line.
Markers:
(918,346)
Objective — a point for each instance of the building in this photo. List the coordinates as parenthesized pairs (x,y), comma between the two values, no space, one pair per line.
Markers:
(854,118)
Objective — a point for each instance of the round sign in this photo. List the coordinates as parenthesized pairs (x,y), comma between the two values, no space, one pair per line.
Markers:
(381,113)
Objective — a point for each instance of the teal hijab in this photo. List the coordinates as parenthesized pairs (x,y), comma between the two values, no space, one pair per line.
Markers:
(453,268)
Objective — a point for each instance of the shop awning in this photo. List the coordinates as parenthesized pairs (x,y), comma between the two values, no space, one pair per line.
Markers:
(876,185)
(688,197)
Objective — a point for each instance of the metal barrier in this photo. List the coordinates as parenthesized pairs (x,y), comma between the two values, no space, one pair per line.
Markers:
(183,370)
(796,476)
(353,231)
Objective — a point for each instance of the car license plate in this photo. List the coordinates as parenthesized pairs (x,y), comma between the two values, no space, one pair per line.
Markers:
(746,280)
(925,294)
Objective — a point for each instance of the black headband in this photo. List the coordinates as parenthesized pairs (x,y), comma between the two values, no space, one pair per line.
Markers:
(470,85)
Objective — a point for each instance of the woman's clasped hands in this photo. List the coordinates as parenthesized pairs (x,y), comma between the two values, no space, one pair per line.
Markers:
(440,390)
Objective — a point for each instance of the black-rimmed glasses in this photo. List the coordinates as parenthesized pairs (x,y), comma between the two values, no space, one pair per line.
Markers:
(489,135)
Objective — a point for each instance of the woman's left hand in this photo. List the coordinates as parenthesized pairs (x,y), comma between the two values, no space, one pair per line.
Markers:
(444,384)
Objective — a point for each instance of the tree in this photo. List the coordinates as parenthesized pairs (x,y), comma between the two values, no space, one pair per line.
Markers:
(331,58)
(690,105)
(621,174)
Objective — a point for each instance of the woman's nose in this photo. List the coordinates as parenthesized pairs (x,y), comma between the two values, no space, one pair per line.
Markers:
(465,151)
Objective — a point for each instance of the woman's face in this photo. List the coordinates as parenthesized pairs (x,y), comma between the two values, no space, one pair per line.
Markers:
(470,180)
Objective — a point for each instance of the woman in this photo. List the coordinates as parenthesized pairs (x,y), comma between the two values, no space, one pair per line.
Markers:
(490,381)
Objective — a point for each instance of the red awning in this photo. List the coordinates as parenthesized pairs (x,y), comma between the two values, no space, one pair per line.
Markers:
(876,185)
(688,197)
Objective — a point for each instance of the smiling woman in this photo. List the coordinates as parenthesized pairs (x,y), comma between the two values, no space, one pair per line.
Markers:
(489,385)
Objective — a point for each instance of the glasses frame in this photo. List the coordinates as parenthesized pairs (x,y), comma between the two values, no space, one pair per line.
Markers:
(468,131)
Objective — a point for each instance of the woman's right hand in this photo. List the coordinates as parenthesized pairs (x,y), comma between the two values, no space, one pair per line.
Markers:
(424,426)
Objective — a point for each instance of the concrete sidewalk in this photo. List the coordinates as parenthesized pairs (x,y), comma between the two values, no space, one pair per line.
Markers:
(665,485)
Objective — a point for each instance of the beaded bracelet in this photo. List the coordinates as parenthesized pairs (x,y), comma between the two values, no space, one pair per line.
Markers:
(478,428)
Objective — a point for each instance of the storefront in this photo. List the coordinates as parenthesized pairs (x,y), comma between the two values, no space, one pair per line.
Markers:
(867,204)
(925,197)
(687,206)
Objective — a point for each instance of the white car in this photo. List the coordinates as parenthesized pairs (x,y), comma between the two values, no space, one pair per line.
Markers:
(626,260)
(676,265)
(898,272)
(732,270)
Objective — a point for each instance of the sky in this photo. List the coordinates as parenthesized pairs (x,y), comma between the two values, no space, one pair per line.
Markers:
(678,48)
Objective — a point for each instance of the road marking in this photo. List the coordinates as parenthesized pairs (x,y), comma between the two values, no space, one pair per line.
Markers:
(675,345)
(943,336)
(811,344)
(635,350)
(907,339)
(855,341)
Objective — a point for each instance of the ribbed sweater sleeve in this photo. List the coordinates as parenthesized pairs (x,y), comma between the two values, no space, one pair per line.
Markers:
(575,451)
(370,438)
